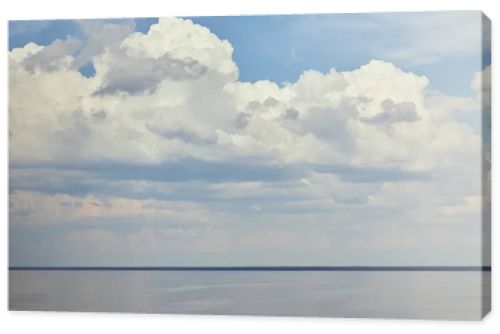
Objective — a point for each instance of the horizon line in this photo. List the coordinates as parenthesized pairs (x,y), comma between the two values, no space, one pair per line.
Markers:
(255,268)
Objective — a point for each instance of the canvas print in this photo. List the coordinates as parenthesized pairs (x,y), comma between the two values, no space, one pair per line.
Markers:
(323,165)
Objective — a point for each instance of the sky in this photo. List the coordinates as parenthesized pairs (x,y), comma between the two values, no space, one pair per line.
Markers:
(342,139)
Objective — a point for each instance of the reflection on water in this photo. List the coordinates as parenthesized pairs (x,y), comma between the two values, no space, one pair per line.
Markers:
(413,294)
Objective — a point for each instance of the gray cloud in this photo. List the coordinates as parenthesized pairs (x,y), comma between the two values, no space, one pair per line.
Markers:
(371,174)
(101,35)
(184,134)
(253,105)
(184,170)
(292,114)
(394,113)
(139,75)
(188,173)
(242,119)
(330,124)
(270,102)
(99,115)
(51,56)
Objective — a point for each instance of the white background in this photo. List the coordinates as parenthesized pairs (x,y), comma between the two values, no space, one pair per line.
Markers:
(49,322)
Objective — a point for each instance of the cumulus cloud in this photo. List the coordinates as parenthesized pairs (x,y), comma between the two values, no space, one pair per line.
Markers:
(51,57)
(181,94)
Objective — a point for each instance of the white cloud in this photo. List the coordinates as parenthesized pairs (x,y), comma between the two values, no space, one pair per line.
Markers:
(172,93)
(36,208)
(181,39)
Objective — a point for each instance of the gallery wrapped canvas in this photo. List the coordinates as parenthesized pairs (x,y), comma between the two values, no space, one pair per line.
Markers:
(333,165)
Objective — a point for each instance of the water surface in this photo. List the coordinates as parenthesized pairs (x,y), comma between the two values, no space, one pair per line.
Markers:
(388,294)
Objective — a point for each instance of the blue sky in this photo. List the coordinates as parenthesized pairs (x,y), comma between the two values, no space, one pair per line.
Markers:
(343,139)
(280,48)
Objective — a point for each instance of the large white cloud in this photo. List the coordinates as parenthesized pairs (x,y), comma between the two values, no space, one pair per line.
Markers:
(173,92)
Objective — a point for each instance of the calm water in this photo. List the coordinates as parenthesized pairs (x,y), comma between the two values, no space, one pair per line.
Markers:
(436,295)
